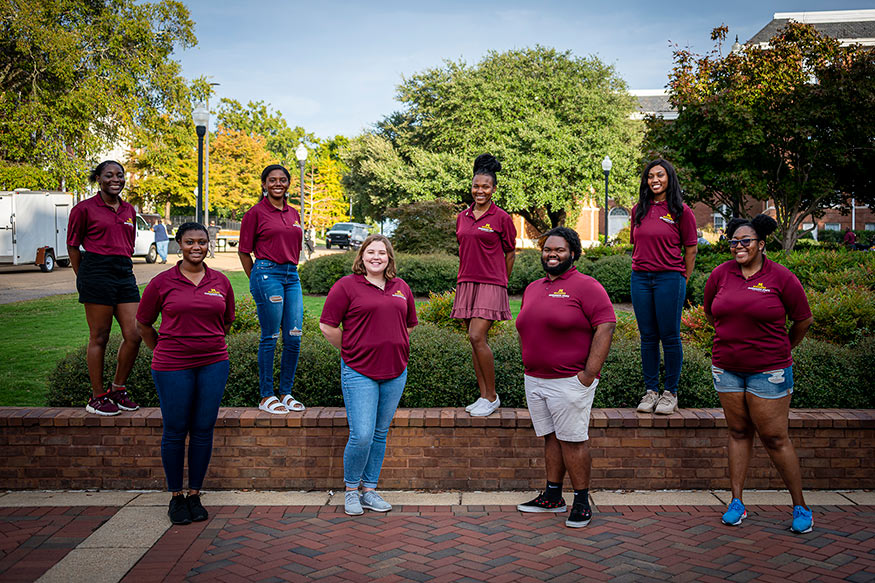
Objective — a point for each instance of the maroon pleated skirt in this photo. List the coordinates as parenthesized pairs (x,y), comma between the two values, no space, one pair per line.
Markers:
(481,300)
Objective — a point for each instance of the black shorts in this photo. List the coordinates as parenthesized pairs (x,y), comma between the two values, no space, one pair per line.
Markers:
(107,279)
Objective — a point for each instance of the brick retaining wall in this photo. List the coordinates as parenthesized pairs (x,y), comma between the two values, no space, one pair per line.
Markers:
(432,449)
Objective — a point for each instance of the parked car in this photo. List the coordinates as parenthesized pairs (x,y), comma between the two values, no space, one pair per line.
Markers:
(144,246)
(346,235)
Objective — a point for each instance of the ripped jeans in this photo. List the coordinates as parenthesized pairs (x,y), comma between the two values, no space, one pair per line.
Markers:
(276,290)
(770,384)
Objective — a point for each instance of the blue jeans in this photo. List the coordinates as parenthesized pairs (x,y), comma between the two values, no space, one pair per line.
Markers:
(276,290)
(770,384)
(370,407)
(190,401)
(658,299)
(161,246)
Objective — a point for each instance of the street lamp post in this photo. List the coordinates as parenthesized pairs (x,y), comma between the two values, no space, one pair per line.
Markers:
(606,168)
(207,166)
(201,117)
(301,155)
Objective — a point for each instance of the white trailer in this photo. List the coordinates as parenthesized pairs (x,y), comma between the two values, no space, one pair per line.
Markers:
(33,228)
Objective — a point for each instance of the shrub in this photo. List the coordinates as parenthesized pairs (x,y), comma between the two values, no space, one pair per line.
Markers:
(829,376)
(696,330)
(245,315)
(614,273)
(427,226)
(862,276)
(428,273)
(319,274)
(842,314)
(596,253)
(696,287)
(437,311)
(526,269)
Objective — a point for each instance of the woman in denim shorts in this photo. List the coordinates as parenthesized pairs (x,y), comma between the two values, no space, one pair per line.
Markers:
(749,299)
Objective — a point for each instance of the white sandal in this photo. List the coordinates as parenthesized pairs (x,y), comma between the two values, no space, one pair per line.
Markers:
(293,404)
(274,407)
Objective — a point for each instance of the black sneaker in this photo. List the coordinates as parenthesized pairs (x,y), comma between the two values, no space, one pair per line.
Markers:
(197,510)
(179,512)
(542,504)
(579,517)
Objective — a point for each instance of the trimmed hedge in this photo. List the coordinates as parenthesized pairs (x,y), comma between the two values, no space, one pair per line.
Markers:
(423,273)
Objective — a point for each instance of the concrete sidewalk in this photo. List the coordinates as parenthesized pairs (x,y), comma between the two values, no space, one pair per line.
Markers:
(449,536)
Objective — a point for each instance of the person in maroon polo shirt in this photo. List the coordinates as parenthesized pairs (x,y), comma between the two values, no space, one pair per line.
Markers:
(749,300)
(565,325)
(105,226)
(272,231)
(487,241)
(368,316)
(189,363)
(663,233)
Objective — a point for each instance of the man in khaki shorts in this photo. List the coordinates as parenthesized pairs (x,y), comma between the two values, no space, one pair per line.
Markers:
(565,325)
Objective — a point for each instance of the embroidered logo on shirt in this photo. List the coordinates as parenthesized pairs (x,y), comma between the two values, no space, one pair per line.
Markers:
(667,218)
(129,222)
(214,292)
(487,228)
(298,224)
(759,288)
(399,294)
(559,293)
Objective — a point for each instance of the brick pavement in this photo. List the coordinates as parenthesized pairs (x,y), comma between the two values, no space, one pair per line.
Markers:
(32,539)
(498,544)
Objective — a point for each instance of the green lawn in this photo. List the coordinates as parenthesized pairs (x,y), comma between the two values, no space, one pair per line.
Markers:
(36,334)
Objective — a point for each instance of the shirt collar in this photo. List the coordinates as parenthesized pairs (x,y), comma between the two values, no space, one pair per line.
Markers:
(764,270)
(121,203)
(489,211)
(177,274)
(363,280)
(267,203)
(562,277)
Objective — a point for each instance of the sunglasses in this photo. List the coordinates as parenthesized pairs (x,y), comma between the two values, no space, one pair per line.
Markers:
(743,242)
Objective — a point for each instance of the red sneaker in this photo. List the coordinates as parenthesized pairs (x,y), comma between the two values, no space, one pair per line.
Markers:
(122,400)
(102,405)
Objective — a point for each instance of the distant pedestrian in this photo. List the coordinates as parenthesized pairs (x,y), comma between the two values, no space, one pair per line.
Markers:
(162,239)
(700,238)
(105,226)
(368,316)
(566,324)
(749,299)
(487,241)
(663,233)
(189,363)
(213,231)
(272,231)
(850,239)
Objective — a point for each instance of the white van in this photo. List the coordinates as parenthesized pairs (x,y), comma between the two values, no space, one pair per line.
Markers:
(145,246)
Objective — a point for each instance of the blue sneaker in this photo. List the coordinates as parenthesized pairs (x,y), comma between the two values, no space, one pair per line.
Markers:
(735,513)
(352,503)
(802,520)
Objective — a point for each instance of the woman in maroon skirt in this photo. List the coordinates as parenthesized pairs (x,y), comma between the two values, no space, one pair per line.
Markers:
(487,239)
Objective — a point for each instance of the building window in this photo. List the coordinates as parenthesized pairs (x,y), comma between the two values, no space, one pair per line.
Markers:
(832,226)
(870,226)
(720,217)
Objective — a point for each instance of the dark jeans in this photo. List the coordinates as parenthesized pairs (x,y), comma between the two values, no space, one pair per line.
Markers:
(190,401)
(658,299)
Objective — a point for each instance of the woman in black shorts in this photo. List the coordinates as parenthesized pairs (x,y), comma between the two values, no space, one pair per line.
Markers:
(105,226)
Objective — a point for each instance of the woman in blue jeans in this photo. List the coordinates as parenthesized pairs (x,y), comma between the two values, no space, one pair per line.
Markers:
(189,363)
(663,233)
(368,315)
(272,231)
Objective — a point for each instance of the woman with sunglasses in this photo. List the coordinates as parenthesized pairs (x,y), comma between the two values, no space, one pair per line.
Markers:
(749,300)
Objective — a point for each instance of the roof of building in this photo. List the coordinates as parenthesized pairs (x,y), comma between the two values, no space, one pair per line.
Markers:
(848,26)
(653,102)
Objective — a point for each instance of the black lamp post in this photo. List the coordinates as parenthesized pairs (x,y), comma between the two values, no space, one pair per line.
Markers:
(201,117)
(606,167)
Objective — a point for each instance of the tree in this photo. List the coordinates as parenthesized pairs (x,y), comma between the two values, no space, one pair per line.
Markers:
(790,122)
(78,76)
(236,162)
(548,116)
(427,226)
(256,119)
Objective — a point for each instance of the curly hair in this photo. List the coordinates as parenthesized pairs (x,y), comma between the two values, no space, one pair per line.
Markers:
(570,237)
(487,165)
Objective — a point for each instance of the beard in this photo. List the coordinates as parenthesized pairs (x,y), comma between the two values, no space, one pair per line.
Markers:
(560,267)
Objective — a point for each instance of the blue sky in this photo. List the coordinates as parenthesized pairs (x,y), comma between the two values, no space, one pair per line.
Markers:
(332,67)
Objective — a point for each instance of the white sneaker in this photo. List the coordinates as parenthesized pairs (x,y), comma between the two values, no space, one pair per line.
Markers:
(486,408)
(648,402)
(667,404)
(476,403)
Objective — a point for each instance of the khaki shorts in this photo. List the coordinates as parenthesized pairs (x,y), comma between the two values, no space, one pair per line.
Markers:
(560,406)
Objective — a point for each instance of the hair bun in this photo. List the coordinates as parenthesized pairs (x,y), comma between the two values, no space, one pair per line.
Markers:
(488,163)
(764,225)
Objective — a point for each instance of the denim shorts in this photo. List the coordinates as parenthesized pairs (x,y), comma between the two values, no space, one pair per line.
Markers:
(770,384)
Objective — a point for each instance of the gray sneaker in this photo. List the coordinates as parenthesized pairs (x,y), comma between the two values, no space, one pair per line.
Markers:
(667,404)
(352,503)
(373,501)
(648,403)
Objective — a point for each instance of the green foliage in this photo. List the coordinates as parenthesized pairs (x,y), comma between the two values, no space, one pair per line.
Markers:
(79,76)
(437,311)
(319,274)
(812,266)
(428,273)
(427,226)
(842,314)
(830,376)
(14,176)
(548,116)
(596,253)
(696,330)
(696,287)
(615,273)
(526,269)
(752,124)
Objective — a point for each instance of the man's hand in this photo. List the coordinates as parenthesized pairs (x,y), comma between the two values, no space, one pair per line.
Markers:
(585,378)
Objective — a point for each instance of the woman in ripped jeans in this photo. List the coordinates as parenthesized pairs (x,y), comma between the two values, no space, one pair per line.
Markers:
(272,231)
(749,300)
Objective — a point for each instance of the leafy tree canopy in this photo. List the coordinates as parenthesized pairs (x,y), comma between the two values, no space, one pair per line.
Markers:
(79,76)
(548,116)
(790,122)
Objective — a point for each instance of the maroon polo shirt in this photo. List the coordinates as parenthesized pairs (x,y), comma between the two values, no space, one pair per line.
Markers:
(750,316)
(659,240)
(101,230)
(193,318)
(272,233)
(557,322)
(375,342)
(483,244)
